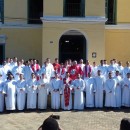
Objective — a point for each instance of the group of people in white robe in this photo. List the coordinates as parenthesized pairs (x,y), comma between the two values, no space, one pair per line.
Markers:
(71,85)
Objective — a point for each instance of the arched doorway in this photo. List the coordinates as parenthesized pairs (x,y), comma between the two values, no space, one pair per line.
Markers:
(72,45)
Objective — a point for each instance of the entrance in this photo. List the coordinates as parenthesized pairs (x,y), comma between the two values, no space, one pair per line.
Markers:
(2,50)
(72,45)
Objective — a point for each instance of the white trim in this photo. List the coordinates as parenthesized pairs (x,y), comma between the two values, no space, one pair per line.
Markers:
(118,26)
(20,25)
(61,19)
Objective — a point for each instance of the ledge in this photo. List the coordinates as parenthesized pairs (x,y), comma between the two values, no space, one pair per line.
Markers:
(61,19)
(118,26)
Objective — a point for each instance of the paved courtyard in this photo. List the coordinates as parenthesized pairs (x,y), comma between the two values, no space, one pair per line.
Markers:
(69,120)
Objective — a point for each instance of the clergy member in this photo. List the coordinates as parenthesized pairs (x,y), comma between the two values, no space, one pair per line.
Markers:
(43,85)
(32,92)
(67,92)
(126,91)
(21,92)
(89,88)
(55,88)
(79,86)
(110,88)
(99,88)
(10,93)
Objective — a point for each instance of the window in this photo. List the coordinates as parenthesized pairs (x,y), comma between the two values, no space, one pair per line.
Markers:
(35,11)
(74,8)
(2,11)
(111,11)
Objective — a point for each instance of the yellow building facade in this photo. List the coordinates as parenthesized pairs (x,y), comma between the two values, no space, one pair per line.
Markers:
(64,33)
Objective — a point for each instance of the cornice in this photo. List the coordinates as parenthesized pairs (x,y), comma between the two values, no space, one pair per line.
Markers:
(61,19)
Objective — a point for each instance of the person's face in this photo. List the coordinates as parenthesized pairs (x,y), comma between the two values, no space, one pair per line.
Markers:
(56,75)
(11,60)
(22,61)
(19,63)
(67,74)
(117,73)
(33,76)
(35,62)
(43,76)
(110,75)
(56,61)
(8,60)
(94,63)
(10,77)
(78,76)
(99,72)
(128,75)
(127,63)
(81,61)
(74,63)
(119,63)
(15,59)
(48,60)
(21,76)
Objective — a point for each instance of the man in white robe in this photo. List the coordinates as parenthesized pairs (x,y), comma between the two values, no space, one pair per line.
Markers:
(43,85)
(21,92)
(126,91)
(103,69)
(10,93)
(27,70)
(32,92)
(89,89)
(79,86)
(118,88)
(55,87)
(126,69)
(81,64)
(120,68)
(94,69)
(1,94)
(17,70)
(112,68)
(110,88)
(99,88)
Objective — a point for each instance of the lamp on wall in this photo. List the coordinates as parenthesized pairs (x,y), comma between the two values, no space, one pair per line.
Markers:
(94,54)
(3,39)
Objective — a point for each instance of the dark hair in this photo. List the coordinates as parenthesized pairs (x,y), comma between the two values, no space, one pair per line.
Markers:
(50,124)
(125,124)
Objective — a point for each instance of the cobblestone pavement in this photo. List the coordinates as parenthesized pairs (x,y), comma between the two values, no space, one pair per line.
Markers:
(69,120)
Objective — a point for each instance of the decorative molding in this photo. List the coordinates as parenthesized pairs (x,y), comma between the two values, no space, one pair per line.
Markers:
(61,19)
(19,25)
(118,26)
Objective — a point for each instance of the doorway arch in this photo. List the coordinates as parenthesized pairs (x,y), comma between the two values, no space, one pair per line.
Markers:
(72,45)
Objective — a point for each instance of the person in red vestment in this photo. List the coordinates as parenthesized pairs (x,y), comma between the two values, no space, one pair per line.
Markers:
(74,70)
(56,65)
(67,92)
(35,67)
(62,71)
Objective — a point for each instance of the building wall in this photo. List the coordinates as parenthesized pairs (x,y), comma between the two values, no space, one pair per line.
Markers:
(118,44)
(93,7)
(23,42)
(123,11)
(94,34)
(15,9)
(53,9)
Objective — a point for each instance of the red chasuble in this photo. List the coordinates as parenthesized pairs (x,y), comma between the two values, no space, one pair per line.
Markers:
(67,90)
